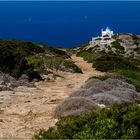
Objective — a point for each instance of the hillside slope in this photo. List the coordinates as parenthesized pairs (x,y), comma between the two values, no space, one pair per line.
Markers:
(23,63)
(26,110)
(106,106)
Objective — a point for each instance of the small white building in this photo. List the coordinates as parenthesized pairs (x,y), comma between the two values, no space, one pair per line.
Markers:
(107,33)
(104,40)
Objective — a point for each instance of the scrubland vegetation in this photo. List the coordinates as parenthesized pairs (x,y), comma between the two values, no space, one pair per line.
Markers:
(13,57)
(111,62)
(118,122)
(19,57)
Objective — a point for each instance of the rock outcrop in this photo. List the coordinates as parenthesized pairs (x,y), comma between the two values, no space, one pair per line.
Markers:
(8,82)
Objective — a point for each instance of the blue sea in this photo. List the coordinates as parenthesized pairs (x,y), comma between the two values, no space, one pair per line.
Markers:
(67,24)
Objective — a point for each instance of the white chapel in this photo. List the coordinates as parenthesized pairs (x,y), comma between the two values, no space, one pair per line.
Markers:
(107,33)
(104,40)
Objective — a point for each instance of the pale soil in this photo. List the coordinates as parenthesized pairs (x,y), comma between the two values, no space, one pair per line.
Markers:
(26,110)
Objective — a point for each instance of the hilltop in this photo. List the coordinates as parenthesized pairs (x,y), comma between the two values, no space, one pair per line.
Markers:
(127,45)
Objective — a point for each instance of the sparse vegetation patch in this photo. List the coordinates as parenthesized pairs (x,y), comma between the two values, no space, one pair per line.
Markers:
(117,122)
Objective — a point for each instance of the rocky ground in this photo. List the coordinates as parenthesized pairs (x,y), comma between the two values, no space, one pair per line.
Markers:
(25,110)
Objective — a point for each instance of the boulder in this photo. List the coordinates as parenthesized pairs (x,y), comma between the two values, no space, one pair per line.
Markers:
(24,81)
(8,82)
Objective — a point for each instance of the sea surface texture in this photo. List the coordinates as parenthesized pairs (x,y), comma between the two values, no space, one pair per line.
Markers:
(66,24)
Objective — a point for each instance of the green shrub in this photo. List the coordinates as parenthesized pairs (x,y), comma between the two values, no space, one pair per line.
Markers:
(87,56)
(12,62)
(13,57)
(118,122)
(137,50)
(59,63)
(109,61)
(133,76)
(55,51)
(53,63)
(6,60)
(70,65)
(37,62)
(27,47)
(116,44)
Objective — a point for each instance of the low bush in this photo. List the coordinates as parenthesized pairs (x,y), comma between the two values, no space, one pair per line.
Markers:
(116,44)
(37,62)
(19,57)
(133,77)
(56,51)
(117,122)
(74,106)
(13,63)
(108,92)
(129,76)
(109,61)
(106,99)
(87,92)
(59,63)
(70,65)
(87,56)
(137,50)
(53,63)
(13,57)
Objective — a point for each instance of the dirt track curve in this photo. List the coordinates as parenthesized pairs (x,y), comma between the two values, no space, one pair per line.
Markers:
(26,110)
